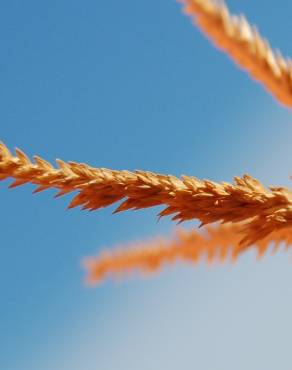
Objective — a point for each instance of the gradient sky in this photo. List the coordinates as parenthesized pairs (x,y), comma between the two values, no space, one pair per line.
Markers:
(133,85)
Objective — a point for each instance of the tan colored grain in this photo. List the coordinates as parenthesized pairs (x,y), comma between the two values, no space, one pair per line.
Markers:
(263,209)
(214,244)
(244,45)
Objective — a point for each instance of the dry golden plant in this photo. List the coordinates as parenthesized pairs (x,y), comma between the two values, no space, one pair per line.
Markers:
(244,45)
(214,244)
(256,215)
(262,209)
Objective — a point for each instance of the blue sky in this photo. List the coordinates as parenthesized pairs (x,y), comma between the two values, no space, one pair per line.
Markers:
(133,85)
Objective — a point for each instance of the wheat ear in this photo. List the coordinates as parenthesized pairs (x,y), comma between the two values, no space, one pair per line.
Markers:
(263,209)
(244,45)
(214,244)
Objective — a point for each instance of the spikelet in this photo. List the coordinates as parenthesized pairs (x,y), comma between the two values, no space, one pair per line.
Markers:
(185,198)
(242,42)
(215,244)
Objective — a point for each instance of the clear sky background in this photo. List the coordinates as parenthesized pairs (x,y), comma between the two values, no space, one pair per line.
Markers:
(133,85)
